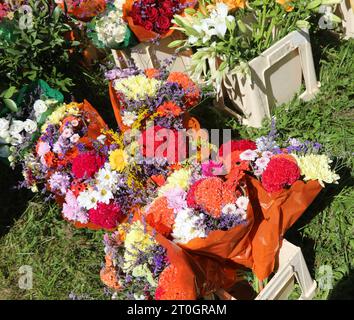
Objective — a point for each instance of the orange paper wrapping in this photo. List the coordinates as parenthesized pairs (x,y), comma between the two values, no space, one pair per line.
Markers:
(198,275)
(86,10)
(275,213)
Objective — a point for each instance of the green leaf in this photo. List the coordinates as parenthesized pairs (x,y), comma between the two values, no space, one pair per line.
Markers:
(11,105)
(175,43)
(9,92)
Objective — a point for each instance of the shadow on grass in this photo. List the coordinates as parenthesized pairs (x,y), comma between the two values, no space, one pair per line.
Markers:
(324,199)
(344,289)
(13,201)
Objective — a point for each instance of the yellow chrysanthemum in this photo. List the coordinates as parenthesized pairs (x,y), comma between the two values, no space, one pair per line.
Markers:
(136,241)
(118,159)
(59,114)
(137,87)
(316,167)
(179,178)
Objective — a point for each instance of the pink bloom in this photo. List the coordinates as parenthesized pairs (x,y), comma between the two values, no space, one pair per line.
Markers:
(72,210)
(176,199)
(43,148)
(211,168)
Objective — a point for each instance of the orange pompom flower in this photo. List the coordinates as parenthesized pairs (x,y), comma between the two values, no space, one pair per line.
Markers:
(160,216)
(108,275)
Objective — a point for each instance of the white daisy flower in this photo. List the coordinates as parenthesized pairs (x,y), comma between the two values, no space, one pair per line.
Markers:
(88,199)
(104,195)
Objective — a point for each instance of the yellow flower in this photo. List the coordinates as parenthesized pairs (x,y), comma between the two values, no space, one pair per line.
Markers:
(179,178)
(59,114)
(142,271)
(118,159)
(136,241)
(316,167)
(137,87)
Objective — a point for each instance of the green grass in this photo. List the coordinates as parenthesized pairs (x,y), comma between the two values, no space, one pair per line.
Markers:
(66,260)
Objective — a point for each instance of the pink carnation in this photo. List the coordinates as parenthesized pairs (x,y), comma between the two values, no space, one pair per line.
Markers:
(106,215)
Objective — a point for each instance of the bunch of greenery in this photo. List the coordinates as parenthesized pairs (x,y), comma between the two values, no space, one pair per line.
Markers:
(32,47)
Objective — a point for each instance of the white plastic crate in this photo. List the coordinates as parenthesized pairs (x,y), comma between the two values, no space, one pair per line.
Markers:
(291,267)
(276,76)
(345,11)
(148,55)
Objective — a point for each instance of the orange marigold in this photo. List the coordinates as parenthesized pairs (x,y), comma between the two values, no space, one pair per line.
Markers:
(169,109)
(160,216)
(191,89)
(152,73)
(172,286)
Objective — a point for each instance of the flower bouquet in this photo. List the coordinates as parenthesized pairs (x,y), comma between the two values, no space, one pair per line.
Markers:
(142,265)
(205,214)
(109,30)
(152,95)
(24,113)
(284,181)
(152,19)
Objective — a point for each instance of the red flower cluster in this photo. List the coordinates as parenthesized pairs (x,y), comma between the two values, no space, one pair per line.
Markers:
(279,173)
(237,145)
(106,215)
(161,142)
(155,15)
(191,89)
(160,216)
(85,165)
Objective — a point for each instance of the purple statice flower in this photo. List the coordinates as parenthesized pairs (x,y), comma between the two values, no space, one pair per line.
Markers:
(229,221)
(119,73)
(59,182)
(159,260)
